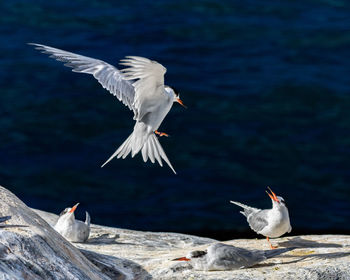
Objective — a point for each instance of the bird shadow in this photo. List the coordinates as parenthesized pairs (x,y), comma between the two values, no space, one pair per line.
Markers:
(300,258)
(115,267)
(103,239)
(12,226)
(300,243)
(305,243)
(106,239)
(5,218)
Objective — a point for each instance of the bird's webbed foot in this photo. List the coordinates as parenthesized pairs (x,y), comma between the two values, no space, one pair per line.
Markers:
(161,133)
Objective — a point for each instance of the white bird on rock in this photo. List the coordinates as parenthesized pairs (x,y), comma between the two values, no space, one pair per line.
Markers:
(72,229)
(220,256)
(140,87)
(269,222)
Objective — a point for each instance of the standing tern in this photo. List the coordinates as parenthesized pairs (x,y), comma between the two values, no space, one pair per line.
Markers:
(72,229)
(269,222)
(140,87)
(220,256)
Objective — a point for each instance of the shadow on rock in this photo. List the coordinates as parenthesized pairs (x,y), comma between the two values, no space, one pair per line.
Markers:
(301,256)
(12,226)
(305,243)
(117,268)
(4,219)
(106,239)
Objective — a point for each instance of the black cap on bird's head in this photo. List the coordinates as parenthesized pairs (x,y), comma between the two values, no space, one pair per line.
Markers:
(177,93)
(192,255)
(69,210)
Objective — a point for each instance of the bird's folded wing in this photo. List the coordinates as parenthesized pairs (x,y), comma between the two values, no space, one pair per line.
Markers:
(228,255)
(107,75)
(258,220)
(149,86)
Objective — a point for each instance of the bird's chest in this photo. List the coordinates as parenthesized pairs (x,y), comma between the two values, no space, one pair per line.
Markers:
(64,227)
(278,224)
(157,112)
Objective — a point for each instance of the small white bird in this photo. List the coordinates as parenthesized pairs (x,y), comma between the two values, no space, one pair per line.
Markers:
(72,229)
(220,256)
(269,222)
(146,96)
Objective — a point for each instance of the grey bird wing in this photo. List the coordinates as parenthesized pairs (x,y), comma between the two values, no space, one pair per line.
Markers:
(83,231)
(258,220)
(247,210)
(231,257)
(149,86)
(107,75)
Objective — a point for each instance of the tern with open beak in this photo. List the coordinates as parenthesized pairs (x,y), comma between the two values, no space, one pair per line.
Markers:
(141,87)
(269,222)
(220,256)
(72,229)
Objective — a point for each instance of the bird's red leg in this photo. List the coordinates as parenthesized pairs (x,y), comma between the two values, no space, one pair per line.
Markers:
(161,133)
(271,246)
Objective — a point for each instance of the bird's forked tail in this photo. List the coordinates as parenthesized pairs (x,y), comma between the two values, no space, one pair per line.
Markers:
(144,140)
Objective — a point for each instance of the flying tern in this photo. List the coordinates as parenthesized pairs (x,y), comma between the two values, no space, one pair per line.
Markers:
(269,222)
(220,256)
(72,229)
(141,87)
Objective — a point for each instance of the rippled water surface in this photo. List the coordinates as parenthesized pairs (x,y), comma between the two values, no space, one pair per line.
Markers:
(267,86)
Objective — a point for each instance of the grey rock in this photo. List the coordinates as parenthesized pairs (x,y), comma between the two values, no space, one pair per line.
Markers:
(150,255)
(31,249)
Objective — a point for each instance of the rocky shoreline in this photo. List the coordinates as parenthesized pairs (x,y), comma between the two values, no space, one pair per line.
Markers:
(31,249)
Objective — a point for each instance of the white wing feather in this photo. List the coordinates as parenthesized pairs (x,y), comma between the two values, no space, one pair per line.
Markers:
(140,96)
(150,80)
(107,75)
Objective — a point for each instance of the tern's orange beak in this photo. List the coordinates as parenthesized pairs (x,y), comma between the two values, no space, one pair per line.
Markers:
(182,259)
(272,195)
(73,208)
(178,100)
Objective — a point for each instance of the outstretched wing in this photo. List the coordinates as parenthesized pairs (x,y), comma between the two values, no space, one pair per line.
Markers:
(107,75)
(149,85)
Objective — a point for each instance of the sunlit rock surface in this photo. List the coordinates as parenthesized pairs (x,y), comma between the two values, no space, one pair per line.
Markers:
(318,256)
(31,249)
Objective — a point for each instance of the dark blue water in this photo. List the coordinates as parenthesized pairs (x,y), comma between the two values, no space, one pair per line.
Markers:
(268,91)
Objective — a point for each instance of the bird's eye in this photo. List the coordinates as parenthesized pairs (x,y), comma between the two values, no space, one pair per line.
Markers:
(197,254)
(64,211)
